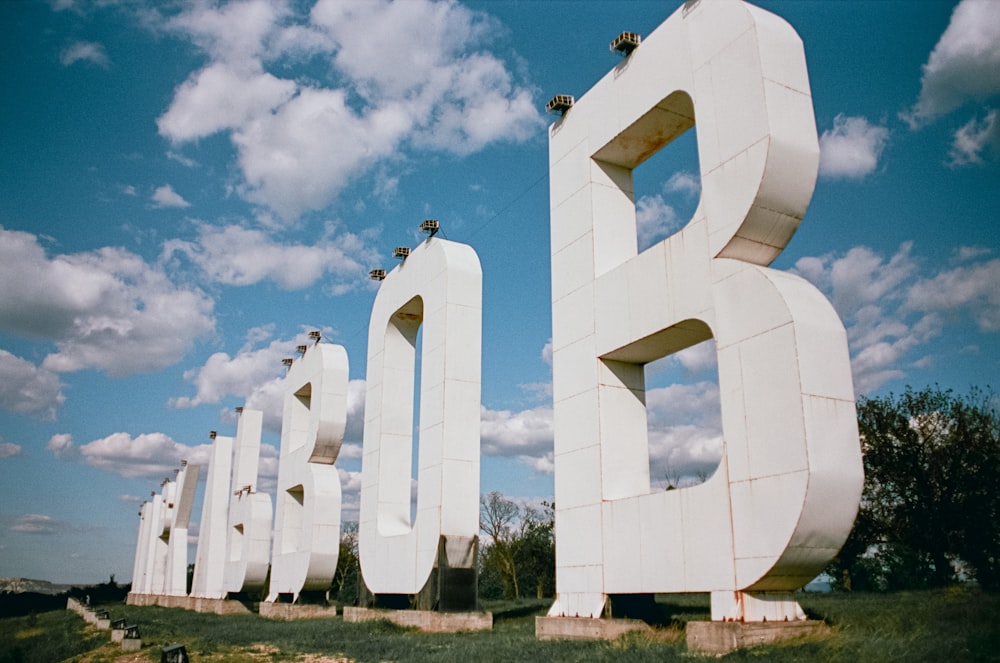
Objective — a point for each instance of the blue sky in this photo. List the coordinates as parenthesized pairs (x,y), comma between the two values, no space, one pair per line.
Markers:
(187,189)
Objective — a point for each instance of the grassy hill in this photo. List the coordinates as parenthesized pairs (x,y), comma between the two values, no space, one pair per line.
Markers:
(950,625)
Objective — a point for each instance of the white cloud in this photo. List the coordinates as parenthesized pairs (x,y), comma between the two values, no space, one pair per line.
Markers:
(130,499)
(61,445)
(526,434)
(28,389)
(683,423)
(150,455)
(390,88)
(165,196)
(36,523)
(655,220)
(892,311)
(964,65)
(547,352)
(852,148)
(9,449)
(84,51)
(217,98)
(972,139)
(233,255)
(241,375)
(105,309)
(685,432)
(684,182)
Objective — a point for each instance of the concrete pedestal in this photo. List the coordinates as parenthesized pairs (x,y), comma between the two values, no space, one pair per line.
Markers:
(291,611)
(720,638)
(585,628)
(424,620)
(214,606)
(131,644)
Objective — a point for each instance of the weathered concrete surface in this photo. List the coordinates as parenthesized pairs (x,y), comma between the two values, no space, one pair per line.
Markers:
(198,604)
(117,634)
(425,620)
(291,611)
(131,644)
(719,638)
(585,628)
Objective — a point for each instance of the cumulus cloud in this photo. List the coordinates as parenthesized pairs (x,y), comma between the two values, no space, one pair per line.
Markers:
(685,433)
(852,148)
(105,309)
(972,139)
(683,424)
(964,65)
(61,446)
(893,307)
(84,51)
(28,389)
(389,89)
(165,196)
(233,255)
(525,434)
(655,220)
(240,375)
(148,456)
(684,182)
(9,449)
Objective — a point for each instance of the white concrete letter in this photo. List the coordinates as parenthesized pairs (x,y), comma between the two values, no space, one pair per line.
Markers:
(210,557)
(786,493)
(307,523)
(248,543)
(439,286)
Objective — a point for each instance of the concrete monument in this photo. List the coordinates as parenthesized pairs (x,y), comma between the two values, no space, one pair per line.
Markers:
(248,540)
(437,287)
(161,551)
(786,492)
(307,520)
(210,556)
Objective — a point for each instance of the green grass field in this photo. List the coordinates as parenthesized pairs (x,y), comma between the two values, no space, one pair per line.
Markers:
(950,625)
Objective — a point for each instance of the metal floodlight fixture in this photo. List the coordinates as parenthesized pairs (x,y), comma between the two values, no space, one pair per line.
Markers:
(287,361)
(401,252)
(212,434)
(377,275)
(315,335)
(430,226)
(183,462)
(559,104)
(301,349)
(625,43)
(239,409)
(177,471)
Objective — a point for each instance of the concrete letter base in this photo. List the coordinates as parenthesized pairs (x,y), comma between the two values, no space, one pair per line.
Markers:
(131,644)
(585,628)
(292,611)
(424,620)
(720,638)
(117,634)
(198,604)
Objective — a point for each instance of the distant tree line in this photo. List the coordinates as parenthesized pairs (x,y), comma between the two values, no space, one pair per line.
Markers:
(16,604)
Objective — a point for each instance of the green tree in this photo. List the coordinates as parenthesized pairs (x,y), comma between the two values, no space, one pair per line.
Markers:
(930,511)
(345,580)
(519,551)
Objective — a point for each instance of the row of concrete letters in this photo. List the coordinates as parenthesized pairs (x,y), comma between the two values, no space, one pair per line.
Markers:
(786,492)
